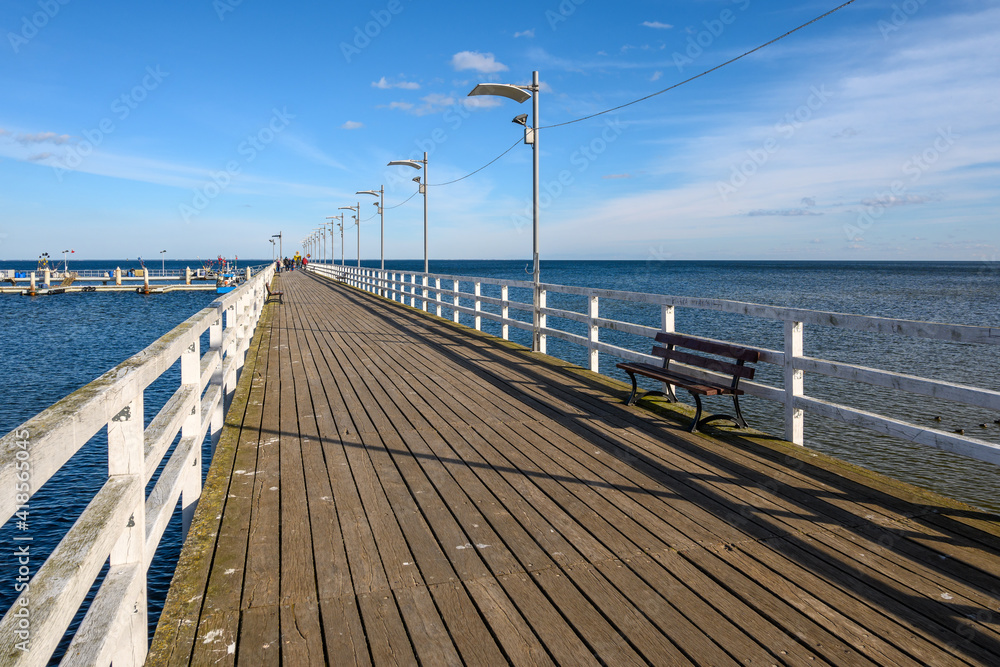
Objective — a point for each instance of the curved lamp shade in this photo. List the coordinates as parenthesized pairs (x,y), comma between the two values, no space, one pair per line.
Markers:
(416,164)
(507,90)
(367,192)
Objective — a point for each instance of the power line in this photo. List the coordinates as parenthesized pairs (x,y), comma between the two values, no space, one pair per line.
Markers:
(485,165)
(698,76)
(651,95)
(386,208)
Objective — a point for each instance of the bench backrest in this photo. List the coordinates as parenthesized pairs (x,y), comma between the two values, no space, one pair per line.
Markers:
(736,370)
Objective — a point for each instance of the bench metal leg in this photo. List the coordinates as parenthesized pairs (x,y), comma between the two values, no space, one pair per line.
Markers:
(635,388)
(693,428)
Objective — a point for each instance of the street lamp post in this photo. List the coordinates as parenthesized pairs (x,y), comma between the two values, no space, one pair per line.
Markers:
(357,220)
(331,218)
(65,261)
(163,264)
(381,213)
(281,250)
(419,164)
(520,94)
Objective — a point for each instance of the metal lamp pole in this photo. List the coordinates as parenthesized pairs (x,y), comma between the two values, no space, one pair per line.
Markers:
(357,219)
(418,164)
(521,94)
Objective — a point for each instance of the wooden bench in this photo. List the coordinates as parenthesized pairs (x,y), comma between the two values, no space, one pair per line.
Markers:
(270,294)
(697,387)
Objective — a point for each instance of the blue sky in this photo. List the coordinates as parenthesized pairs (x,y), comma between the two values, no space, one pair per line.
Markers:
(204,127)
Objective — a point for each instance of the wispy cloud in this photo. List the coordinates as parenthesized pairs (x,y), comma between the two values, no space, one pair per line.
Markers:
(31,138)
(484,63)
(787,212)
(432,103)
(656,75)
(616,176)
(352,125)
(525,33)
(386,84)
(893,200)
(309,151)
(657,24)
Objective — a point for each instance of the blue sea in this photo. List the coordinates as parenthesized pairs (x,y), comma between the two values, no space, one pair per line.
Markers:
(53,345)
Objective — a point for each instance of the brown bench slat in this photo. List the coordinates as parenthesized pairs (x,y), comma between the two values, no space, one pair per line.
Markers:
(716,365)
(703,387)
(737,352)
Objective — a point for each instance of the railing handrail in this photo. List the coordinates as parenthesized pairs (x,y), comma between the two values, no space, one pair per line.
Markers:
(120,522)
(429,292)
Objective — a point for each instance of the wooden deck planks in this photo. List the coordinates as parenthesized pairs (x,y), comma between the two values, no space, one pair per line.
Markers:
(404,492)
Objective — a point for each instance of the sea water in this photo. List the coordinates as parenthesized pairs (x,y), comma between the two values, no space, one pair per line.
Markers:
(51,346)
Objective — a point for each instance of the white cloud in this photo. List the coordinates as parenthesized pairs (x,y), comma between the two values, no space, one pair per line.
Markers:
(481,102)
(656,75)
(484,63)
(432,103)
(525,33)
(657,25)
(787,212)
(352,125)
(385,84)
(30,138)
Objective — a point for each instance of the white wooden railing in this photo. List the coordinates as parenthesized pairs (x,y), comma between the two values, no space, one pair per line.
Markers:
(120,523)
(441,293)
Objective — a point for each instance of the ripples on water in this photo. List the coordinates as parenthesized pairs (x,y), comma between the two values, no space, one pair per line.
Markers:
(51,346)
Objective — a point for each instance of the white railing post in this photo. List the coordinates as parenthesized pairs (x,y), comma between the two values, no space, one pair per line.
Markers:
(454,313)
(542,321)
(794,386)
(504,313)
(667,326)
(413,290)
(437,293)
(191,486)
(126,458)
(593,333)
(667,319)
(215,350)
(477,290)
(423,281)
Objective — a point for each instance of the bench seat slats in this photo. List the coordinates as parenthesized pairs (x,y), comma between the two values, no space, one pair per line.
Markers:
(703,387)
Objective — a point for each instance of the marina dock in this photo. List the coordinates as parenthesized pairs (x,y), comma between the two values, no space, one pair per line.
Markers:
(390,487)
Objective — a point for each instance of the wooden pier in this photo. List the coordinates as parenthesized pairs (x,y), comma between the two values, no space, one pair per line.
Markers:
(392,488)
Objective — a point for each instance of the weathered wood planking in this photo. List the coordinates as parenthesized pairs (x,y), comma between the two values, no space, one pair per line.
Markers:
(421,493)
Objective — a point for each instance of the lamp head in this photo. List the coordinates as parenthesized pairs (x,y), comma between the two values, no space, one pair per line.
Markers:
(416,180)
(406,163)
(516,93)
(521,119)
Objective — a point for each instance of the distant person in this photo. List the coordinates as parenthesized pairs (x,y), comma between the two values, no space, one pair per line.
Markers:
(305,262)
